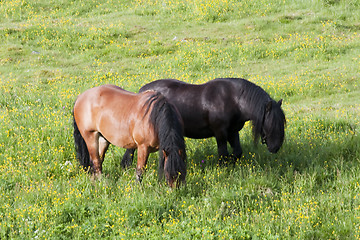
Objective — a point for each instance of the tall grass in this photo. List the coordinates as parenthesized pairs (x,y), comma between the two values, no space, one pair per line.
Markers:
(305,52)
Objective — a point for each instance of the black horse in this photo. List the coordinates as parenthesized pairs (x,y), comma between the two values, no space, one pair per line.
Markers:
(220,108)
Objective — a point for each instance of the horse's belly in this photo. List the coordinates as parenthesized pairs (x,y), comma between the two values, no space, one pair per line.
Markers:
(120,140)
(198,133)
(129,145)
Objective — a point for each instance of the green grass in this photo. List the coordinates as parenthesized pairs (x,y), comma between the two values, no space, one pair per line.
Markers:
(305,52)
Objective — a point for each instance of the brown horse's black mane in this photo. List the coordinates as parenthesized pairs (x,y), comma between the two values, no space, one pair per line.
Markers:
(169,128)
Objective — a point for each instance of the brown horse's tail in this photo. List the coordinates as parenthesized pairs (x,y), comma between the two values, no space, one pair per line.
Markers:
(82,152)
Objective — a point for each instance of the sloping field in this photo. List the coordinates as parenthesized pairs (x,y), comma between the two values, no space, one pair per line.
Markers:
(304,52)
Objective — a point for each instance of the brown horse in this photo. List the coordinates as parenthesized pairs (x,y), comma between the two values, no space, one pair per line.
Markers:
(146,121)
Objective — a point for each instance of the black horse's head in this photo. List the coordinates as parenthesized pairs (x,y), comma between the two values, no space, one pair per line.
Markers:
(272,128)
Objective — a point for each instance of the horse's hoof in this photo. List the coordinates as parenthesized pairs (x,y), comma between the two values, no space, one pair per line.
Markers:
(139,178)
(97,176)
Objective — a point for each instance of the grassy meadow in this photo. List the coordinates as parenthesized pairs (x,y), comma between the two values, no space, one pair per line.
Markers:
(304,52)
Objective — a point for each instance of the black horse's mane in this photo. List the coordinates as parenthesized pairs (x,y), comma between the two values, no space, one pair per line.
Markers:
(257,100)
(170,132)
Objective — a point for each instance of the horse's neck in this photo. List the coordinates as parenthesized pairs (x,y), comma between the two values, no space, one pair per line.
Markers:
(253,110)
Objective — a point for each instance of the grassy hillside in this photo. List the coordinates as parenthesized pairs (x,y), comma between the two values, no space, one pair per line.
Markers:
(305,52)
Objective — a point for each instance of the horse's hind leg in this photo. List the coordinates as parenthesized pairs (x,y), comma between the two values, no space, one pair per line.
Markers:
(127,158)
(92,142)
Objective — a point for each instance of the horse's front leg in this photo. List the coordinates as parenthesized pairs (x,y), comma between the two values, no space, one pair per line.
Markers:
(143,154)
(235,144)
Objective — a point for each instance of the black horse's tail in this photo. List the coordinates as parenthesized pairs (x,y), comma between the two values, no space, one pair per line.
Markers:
(82,152)
(168,125)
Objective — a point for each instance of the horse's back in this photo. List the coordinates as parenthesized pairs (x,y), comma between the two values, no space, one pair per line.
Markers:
(110,96)
(168,87)
(113,112)
(161,84)
(89,103)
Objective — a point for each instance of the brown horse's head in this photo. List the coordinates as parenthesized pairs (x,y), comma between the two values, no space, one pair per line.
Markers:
(175,171)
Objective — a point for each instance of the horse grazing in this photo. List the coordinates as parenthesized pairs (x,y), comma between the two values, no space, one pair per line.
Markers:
(146,121)
(220,108)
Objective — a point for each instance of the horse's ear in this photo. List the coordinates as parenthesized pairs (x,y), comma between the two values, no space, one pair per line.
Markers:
(268,106)
(280,102)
